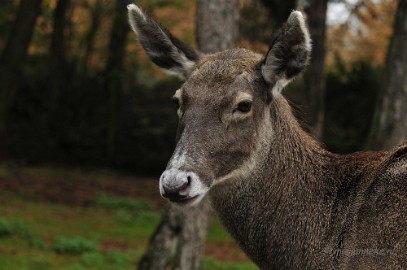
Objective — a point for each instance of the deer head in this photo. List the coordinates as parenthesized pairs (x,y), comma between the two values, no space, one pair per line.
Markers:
(224,130)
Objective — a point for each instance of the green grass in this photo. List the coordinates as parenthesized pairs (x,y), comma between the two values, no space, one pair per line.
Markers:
(111,234)
(73,245)
(37,235)
(217,233)
(116,202)
(210,263)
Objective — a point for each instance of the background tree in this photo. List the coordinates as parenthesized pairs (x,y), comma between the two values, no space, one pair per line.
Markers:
(58,66)
(390,122)
(314,76)
(108,132)
(96,14)
(113,71)
(57,47)
(363,34)
(14,54)
(217,29)
(217,25)
(357,42)
(73,101)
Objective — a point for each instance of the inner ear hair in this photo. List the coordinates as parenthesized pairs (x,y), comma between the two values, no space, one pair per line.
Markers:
(289,53)
(165,50)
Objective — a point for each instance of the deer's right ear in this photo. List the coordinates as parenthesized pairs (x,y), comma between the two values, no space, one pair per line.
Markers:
(164,50)
(289,53)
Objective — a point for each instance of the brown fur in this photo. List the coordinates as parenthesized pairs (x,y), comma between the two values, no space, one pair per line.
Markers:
(311,209)
(289,203)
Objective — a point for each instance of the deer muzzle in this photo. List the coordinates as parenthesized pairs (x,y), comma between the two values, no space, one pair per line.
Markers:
(182,187)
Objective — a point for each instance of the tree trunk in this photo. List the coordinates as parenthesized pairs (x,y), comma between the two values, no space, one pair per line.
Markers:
(161,244)
(15,51)
(14,54)
(217,27)
(314,76)
(58,37)
(191,241)
(59,75)
(113,71)
(179,239)
(390,122)
(90,36)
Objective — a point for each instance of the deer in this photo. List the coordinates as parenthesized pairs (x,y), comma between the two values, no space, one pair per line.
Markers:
(288,202)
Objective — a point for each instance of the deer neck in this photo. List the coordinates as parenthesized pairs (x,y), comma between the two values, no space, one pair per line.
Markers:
(277,210)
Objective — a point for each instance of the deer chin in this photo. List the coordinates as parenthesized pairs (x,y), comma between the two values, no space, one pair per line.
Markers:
(189,201)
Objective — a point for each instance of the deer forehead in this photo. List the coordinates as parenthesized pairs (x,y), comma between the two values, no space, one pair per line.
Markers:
(226,65)
(225,75)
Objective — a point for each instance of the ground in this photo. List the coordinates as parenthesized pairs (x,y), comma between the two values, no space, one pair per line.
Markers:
(54,218)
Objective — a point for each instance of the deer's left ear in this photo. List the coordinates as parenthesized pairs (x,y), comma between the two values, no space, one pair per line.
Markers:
(164,50)
(289,53)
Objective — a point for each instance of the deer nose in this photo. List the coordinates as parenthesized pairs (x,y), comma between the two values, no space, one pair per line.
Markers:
(175,185)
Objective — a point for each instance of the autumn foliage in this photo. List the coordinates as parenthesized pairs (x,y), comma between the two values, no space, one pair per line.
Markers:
(77,110)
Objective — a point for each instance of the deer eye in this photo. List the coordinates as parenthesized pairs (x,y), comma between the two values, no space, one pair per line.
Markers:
(244,106)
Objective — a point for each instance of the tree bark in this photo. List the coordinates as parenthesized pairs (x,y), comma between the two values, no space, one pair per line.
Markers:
(113,71)
(314,76)
(191,241)
(179,240)
(16,48)
(389,125)
(90,36)
(161,244)
(14,54)
(58,37)
(217,27)
(59,72)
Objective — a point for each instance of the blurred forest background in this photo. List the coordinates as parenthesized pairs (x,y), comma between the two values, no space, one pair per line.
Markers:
(77,88)
(82,108)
